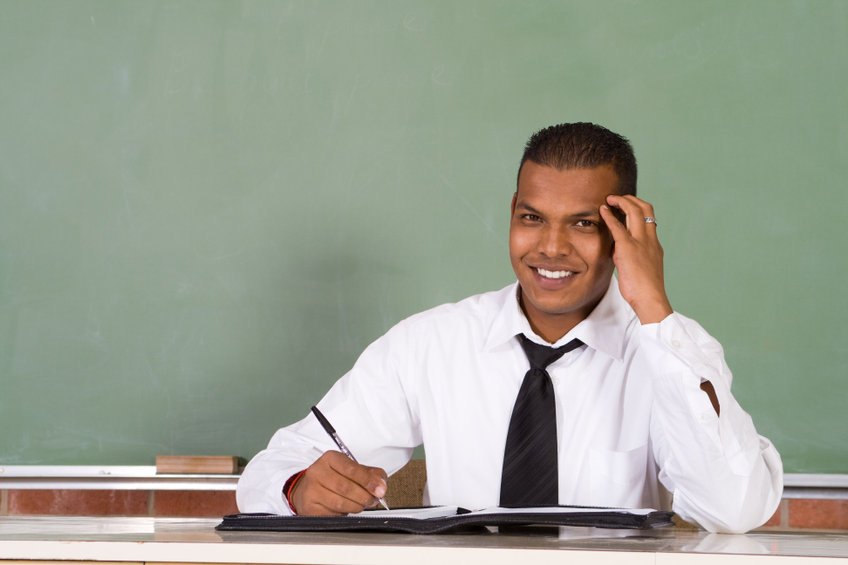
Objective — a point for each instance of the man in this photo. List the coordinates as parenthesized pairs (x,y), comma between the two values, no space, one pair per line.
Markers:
(641,395)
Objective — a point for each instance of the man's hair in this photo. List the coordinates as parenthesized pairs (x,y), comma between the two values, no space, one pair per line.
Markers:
(583,146)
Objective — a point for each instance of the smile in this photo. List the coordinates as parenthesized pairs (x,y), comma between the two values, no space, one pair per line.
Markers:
(554,274)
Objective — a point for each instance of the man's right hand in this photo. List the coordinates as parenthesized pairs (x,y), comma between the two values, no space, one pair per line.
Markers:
(336,485)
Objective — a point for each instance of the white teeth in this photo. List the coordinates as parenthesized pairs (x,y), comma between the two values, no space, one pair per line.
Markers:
(554,274)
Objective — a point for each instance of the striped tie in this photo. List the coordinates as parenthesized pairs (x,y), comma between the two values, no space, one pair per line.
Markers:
(530,474)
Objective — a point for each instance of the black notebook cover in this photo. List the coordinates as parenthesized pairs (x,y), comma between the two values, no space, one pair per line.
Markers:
(446,519)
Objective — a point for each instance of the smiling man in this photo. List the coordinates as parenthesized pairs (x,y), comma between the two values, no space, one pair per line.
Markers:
(570,386)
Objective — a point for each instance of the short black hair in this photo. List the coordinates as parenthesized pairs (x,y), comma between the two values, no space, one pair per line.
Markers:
(583,145)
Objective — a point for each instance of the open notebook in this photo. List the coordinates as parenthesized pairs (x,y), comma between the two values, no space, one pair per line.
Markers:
(438,519)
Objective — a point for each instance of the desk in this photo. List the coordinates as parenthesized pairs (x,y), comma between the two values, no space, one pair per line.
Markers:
(174,540)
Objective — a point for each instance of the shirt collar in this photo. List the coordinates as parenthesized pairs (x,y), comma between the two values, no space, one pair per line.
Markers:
(604,329)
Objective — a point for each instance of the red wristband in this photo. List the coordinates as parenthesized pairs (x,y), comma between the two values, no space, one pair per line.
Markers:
(289,486)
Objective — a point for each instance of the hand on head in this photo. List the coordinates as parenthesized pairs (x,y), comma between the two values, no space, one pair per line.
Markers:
(638,256)
(336,485)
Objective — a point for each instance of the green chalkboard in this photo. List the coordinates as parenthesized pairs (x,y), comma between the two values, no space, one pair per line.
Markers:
(209,208)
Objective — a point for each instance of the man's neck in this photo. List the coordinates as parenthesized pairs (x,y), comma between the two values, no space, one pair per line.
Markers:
(551,327)
(552,334)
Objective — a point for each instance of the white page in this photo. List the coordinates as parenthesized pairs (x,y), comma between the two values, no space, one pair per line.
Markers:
(562,510)
(442,511)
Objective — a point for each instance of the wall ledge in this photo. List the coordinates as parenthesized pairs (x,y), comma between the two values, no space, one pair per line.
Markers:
(144,477)
(815,486)
(100,477)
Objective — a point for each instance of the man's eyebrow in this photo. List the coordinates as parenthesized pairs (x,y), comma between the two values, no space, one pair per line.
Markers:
(526,207)
(587,214)
(592,213)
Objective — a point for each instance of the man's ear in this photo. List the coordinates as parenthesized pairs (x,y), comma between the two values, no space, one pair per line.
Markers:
(512,206)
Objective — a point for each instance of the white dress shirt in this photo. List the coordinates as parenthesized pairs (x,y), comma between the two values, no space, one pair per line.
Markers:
(631,418)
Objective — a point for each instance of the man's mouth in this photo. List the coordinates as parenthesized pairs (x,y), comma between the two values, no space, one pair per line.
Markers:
(554,274)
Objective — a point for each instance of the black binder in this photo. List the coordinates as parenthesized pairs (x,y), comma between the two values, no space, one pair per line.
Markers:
(434,520)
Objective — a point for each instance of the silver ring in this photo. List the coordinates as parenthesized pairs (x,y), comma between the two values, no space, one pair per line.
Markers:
(650,220)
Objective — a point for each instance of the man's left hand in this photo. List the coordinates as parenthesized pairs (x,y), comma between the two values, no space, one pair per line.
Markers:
(638,256)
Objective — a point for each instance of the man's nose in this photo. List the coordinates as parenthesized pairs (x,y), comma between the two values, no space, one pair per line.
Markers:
(555,241)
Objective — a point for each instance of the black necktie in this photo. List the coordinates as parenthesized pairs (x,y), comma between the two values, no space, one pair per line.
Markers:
(530,474)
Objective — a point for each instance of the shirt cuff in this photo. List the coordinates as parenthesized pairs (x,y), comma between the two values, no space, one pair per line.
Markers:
(689,345)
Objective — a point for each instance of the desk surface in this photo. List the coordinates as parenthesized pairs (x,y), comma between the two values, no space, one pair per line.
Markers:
(173,540)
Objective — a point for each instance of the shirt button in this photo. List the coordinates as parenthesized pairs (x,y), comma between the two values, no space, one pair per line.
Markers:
(675,343)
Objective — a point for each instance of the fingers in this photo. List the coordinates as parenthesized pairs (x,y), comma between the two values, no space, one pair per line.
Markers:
(614,225)
(638,256)
(335,485)
(635,211)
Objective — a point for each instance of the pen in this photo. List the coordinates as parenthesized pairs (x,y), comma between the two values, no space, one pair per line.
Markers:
(331,431)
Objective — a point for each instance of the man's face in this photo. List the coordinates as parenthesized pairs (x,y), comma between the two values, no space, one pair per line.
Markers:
(560,249)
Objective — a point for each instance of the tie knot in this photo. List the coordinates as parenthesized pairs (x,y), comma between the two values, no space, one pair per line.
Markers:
(540,356)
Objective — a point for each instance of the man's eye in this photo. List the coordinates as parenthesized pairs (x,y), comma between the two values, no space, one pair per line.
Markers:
(531,217)
(587,226)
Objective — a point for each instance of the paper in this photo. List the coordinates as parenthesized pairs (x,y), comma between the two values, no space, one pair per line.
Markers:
(562,510)
(443,511)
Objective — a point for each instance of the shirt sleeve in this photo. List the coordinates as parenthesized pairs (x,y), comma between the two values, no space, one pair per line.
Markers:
(723,475)
(370,408)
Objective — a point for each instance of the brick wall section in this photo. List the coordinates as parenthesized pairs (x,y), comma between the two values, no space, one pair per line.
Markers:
(792,514)
(819,514)
(193,504)
(78,502)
